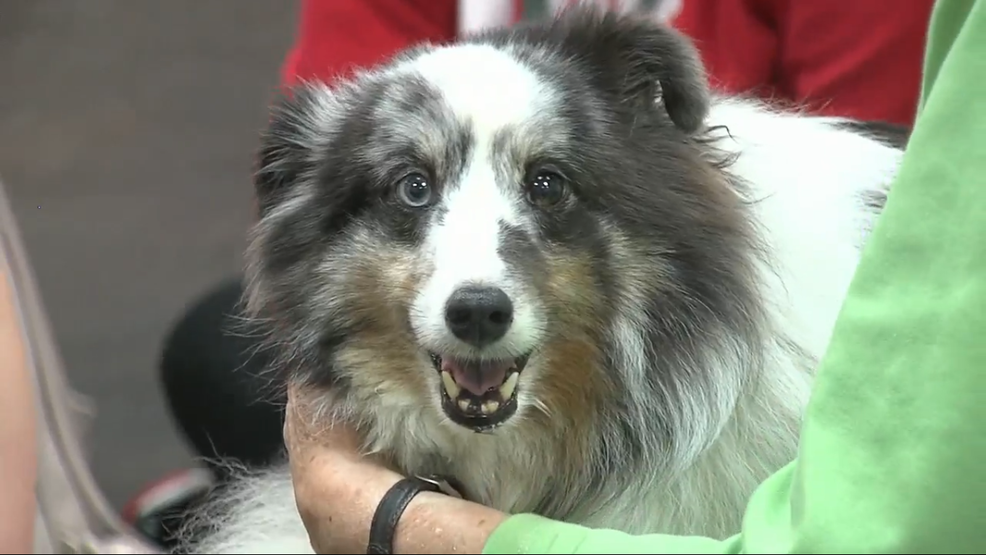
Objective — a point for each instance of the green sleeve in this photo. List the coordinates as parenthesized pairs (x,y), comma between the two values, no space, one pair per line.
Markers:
(894,447)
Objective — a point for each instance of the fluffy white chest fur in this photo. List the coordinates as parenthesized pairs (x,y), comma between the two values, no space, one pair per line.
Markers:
(807,177)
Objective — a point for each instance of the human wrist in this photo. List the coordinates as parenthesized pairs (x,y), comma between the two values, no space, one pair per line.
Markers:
(431,523)
(376,483)
(365,485)
(438,523)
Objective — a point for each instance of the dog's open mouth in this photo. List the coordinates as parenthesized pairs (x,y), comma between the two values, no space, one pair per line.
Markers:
(479,394)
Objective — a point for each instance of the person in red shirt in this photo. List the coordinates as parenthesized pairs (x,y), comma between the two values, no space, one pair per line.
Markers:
(860,60)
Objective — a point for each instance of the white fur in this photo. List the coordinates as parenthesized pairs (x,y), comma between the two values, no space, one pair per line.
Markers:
(463,250)
(463,247)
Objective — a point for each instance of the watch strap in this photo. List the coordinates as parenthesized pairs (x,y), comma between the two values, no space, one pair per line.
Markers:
(388,514)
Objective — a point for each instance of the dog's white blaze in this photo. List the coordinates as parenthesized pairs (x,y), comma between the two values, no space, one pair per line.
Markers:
(484,86)
(464,250)
(489,91)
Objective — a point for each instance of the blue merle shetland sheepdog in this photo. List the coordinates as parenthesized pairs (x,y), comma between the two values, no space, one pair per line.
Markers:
(549,262)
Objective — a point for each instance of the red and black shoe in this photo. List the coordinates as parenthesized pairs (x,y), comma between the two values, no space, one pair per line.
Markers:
(159,511)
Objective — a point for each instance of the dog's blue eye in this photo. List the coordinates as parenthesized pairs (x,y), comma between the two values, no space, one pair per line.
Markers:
(545,188)
(414,190)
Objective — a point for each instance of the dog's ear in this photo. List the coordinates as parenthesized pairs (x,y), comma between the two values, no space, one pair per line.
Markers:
(643,61)
(288,147)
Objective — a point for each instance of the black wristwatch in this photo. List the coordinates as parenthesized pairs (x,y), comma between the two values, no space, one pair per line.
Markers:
(393,504)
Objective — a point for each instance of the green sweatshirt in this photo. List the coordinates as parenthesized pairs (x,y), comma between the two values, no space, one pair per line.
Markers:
(893,453)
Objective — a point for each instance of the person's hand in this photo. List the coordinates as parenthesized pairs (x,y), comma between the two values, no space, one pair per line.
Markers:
(336,489)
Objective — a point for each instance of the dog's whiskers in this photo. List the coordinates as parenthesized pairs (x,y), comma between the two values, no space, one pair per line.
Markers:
(541,406)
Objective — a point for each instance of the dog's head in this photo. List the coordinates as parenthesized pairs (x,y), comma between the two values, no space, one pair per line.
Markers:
(521,227)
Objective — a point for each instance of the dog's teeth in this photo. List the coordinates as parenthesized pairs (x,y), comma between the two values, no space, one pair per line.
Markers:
(489,407)
(450,386)
(463,405)
(508,387)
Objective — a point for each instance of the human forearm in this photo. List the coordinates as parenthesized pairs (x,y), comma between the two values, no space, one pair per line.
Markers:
(432,523)
(337,492)
(437,523)
(18,468)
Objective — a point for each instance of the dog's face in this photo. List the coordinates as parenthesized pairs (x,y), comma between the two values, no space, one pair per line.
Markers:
(513,228)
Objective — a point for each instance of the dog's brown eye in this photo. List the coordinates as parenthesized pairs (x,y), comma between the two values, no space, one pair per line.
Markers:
(414,190)
(545,187)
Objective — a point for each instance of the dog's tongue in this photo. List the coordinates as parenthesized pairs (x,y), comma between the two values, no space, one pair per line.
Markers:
(477,377)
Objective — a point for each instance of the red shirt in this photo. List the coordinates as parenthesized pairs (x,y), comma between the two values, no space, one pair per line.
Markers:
(337,36)
(859,59)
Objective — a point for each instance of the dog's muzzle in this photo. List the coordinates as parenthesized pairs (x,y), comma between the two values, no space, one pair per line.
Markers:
(479,392)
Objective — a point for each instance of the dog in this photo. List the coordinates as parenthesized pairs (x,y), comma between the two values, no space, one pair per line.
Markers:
(550,262)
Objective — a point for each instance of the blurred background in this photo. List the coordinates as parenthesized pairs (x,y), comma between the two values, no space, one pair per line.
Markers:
(126,134)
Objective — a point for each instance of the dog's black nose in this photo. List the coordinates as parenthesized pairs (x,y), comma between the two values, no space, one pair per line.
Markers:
(479,315)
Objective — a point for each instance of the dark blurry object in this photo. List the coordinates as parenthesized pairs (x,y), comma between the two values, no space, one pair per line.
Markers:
(225,403)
